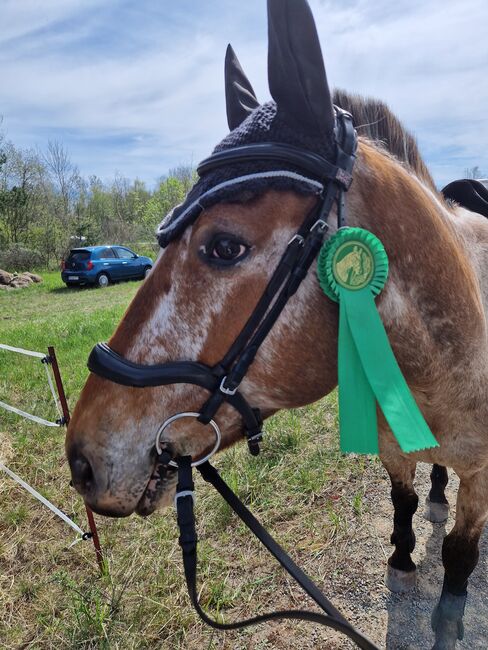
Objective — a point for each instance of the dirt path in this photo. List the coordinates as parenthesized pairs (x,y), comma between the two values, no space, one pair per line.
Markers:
(354,581)
(402,621)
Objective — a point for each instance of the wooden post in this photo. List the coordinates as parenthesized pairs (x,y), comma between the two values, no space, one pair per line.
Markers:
(66,417)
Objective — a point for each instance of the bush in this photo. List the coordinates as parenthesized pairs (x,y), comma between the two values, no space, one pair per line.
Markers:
(18,258)
(145,248)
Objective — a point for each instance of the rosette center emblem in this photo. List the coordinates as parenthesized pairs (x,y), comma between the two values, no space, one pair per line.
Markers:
(353,265)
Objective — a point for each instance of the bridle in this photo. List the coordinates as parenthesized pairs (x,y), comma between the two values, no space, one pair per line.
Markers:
(222,381)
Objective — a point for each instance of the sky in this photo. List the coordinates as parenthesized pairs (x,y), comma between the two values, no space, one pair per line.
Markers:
(136,88)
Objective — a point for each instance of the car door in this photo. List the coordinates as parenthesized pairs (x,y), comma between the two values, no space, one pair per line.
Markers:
(110,263)
(128,260)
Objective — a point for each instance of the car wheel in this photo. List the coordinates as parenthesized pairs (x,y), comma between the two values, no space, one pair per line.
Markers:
(103,280)
(147,271)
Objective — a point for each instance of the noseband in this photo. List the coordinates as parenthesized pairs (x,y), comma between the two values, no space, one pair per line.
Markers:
(222,381)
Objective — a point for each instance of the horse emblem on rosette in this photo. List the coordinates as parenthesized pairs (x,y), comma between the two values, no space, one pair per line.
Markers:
(233,313)
(354,265)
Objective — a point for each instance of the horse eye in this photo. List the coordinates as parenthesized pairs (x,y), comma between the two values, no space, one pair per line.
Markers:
(226,250)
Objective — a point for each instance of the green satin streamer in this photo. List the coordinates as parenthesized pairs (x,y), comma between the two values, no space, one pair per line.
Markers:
(352,269)
(368,370)
(357,404)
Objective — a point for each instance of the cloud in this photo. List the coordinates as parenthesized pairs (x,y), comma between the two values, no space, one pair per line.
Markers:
(427,60)
(138,87)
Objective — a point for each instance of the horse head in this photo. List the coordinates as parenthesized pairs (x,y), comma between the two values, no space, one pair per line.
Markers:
(207,281)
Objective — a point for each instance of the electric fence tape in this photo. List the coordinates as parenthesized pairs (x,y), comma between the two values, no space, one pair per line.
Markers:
(29,416)
(45,361)
(47,503)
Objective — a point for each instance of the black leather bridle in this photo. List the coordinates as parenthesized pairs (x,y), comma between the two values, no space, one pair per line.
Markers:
(222,381)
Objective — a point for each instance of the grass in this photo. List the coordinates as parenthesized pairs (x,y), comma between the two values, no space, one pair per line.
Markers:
(52,596)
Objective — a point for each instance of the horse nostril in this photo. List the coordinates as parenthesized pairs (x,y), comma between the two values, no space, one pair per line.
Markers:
(82,474)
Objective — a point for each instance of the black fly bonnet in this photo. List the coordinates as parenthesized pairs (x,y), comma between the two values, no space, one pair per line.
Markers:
(262,153)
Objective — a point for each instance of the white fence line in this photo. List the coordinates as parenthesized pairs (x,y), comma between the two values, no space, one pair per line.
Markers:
(24,414)
(53,392)
(42,499)
(29,353)
(59,513)
(28,416)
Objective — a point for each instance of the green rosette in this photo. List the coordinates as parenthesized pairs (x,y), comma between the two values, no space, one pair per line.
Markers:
(352,270)
(353,259)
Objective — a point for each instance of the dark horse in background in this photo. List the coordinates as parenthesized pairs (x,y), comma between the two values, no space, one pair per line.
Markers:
(192,306)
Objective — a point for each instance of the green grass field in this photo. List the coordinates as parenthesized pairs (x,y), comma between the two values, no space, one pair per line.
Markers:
(52,596)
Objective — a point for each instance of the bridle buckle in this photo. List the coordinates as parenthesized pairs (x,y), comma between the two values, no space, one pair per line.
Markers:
(321,225)
(225,390)
(297,238)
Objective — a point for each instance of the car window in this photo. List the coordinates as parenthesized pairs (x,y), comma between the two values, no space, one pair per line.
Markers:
(79,256)
(106,254)
(124,253)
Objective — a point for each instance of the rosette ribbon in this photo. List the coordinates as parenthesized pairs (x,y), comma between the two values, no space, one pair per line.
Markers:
(352,270)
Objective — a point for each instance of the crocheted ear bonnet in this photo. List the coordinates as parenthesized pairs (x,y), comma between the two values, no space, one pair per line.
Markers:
(265,124)
(301,116)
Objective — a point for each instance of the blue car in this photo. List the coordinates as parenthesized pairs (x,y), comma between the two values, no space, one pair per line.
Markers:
(100,265)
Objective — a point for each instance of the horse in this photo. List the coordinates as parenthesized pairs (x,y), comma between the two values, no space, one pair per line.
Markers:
(209,279)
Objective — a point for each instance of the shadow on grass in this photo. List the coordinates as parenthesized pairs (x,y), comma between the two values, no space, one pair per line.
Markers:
(74,288)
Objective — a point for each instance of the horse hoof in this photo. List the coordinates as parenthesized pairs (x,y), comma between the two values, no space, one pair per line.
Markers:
(400,581)
(446,635)
(449,644)
(447,621)
(437,513)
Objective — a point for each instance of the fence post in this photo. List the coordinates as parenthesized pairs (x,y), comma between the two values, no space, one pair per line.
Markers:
(66,417)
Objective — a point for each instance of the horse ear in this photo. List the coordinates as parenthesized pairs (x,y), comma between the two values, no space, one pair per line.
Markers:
(296,71)
(240,98)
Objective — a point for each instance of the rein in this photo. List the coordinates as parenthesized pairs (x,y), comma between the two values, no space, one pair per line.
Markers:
(223,379)
(184,501)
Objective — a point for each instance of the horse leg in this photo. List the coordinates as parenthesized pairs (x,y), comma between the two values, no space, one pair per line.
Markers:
(460,556)
(401,571)
(436,504)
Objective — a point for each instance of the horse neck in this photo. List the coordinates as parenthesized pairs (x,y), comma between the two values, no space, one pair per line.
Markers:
(431,305)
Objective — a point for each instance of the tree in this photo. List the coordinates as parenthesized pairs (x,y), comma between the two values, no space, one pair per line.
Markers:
(169,193)
(473,172)
(45,201)
(18,181)
(186,174)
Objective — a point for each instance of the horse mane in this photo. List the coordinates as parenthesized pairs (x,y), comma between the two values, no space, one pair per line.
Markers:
(373,119)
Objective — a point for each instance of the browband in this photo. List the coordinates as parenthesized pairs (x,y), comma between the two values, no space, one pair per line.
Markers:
(308,161)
